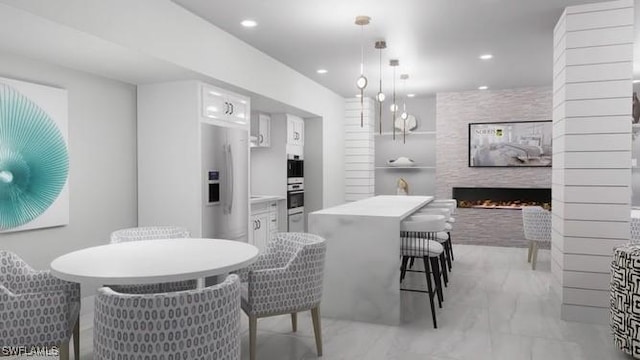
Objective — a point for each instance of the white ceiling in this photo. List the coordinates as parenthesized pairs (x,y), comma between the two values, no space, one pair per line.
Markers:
(437,41)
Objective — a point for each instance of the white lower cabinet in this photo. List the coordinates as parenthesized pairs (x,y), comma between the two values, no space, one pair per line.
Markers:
(264,223)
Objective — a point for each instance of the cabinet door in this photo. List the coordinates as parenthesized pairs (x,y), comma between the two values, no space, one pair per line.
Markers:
(214,104)
(291,125)
(264,131)
(300,130)
(237,110)
(273,223)
(261,230)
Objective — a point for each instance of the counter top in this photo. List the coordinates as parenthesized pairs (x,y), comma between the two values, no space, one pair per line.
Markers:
(256,199)
(383,206)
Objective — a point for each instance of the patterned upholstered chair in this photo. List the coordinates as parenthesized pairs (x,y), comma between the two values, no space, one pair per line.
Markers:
(624,295)
(193,324)
(37,309)
(286,279)
(152,233)
(635,230)
(537,227)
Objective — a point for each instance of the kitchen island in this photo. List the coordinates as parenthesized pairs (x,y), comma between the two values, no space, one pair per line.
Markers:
(362,269)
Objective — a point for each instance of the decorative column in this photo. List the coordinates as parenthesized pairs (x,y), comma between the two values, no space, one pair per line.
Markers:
(359,150)
(591,177)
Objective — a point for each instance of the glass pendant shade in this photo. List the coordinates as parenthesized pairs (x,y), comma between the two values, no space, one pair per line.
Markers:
(393,108)
(380,97)
(404,115)
(361,83)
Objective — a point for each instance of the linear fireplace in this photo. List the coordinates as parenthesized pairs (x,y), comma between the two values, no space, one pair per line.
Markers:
(501,198)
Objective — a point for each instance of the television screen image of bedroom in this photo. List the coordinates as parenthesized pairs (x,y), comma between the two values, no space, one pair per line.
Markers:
(510,154)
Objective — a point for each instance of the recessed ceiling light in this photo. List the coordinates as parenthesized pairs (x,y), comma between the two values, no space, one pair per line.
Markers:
(411,95)
(322,71)
(486,57)
(483,87)
(636,81)
(249,23)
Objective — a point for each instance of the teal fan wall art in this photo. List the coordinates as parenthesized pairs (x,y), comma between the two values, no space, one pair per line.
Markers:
(34,161)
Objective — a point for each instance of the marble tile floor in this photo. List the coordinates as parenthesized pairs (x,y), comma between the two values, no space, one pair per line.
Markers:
(495,307)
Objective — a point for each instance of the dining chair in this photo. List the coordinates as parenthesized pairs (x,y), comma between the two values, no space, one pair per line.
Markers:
(152,233)
(36,308)
(635,230)
(192,324)
(536,222)
(286,279)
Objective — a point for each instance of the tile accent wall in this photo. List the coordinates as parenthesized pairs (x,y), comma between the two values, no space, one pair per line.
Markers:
(454,111)
(593,68)
(359,150)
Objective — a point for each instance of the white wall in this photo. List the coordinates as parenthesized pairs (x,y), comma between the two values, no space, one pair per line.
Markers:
(102,148)
(165,31)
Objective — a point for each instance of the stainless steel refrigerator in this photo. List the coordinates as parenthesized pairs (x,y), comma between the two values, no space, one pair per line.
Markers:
(225,174)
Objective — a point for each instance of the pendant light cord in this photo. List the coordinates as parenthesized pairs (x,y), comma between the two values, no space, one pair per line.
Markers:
(395,107)
(361,74)
(379,92)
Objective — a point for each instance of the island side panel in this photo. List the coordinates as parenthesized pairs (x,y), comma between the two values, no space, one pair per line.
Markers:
(362,269)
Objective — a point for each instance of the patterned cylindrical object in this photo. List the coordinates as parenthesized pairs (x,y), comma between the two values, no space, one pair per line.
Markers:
(625,299)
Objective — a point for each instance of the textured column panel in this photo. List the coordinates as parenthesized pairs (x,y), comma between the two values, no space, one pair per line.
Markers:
(359,150)
(593,58)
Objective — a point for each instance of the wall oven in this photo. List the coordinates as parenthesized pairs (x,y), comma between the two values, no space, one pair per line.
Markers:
(295,207)
(295,169)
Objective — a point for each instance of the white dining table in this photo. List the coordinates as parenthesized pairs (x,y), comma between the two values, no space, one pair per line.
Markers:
(154,261)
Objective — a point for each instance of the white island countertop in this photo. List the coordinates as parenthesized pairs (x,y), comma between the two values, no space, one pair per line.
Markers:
(382,205)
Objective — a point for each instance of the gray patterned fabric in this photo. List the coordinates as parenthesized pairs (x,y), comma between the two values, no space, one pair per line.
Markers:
(537,223)
(635,230)
(152,233)
(287,277)
(194,324)
(36,309)
(625,299)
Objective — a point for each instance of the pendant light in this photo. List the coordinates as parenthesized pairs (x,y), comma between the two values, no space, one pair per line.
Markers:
(404,115)
(380,45)
(362,81)
(394,107)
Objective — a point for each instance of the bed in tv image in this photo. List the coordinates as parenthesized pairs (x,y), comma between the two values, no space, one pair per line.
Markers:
(510,144)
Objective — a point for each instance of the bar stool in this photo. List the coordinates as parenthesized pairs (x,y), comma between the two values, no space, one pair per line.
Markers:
(443,237)
(452,205)
(415,234)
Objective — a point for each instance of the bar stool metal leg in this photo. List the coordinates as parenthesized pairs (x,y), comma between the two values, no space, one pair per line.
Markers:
(427,272)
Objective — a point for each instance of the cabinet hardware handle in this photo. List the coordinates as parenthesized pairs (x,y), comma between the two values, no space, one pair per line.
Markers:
(231,105)
(260,139)
(226,107)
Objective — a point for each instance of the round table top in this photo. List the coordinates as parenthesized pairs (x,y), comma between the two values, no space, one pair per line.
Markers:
(154,261)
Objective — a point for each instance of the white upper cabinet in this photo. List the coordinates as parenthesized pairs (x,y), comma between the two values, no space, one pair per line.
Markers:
(261,129)
(220,105)
(295,130)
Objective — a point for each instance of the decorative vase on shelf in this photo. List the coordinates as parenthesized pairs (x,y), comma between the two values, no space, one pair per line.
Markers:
(401,161)
(403,187)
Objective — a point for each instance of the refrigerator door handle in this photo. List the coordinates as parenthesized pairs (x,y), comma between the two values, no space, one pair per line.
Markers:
(225,208)
(231,176)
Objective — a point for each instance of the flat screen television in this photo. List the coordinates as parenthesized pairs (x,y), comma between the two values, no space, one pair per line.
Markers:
(510,144)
